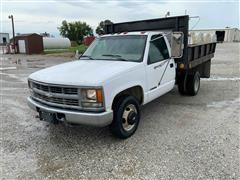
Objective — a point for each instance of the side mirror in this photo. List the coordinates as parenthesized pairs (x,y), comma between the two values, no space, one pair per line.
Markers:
(177,44)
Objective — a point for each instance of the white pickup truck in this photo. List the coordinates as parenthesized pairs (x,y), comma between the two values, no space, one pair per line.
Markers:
(117,74)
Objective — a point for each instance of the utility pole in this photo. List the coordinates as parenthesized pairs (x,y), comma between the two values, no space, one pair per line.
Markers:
(13,32)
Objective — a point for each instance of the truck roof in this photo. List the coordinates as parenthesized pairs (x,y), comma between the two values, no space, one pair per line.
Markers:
(134,33)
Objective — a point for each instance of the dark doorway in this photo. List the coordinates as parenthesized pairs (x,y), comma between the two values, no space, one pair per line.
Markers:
(220,36)
(4,40)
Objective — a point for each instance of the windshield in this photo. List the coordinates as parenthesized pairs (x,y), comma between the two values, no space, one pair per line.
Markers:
(117,48)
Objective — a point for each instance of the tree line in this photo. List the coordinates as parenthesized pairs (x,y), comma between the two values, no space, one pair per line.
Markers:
(76,31)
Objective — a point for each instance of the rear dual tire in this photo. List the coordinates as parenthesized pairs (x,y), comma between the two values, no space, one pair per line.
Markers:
(193,84)
(189,85)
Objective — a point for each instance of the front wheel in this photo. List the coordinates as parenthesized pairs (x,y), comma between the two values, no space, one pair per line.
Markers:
(126,117)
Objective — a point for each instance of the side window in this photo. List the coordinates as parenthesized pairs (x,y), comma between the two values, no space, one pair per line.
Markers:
(158,49)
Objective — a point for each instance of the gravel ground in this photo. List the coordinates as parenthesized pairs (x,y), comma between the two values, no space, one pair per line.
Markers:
(178,138)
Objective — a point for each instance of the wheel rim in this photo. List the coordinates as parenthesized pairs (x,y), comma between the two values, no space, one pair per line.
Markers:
(125,117)
(196,84)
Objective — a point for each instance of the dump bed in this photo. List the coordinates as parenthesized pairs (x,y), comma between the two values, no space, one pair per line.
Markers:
(193,55)
(200,53)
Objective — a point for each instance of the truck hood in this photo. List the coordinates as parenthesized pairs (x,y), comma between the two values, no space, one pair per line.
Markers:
(83,72)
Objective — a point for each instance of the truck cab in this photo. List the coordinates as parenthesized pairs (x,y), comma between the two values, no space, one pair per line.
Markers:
(150,53)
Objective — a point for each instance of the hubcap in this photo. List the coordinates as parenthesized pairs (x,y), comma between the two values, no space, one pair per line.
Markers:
(132,117)
(129,117)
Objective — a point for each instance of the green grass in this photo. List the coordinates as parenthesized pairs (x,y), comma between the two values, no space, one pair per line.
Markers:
(81,49)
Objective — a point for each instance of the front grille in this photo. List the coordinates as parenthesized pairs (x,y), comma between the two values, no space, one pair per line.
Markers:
(65,97)
(55,89)
(71,102)
(70,90)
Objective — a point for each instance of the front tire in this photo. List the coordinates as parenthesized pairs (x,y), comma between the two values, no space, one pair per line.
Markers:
(126,117)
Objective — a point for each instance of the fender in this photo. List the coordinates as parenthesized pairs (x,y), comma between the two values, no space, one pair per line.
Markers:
(117,85)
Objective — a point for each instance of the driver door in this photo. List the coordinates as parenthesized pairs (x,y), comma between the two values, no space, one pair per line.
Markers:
(160,68)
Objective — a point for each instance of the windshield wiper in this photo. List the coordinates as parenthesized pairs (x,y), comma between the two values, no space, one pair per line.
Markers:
(118,57)
(89,57)
(112,55)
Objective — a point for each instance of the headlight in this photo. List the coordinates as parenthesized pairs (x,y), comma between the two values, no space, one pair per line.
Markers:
(29,84)
(91,94)
(92,98)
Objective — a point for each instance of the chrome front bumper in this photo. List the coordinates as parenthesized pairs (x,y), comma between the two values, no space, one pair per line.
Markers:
(86,118)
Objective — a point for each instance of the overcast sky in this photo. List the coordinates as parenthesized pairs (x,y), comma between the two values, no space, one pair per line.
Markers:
(45,16)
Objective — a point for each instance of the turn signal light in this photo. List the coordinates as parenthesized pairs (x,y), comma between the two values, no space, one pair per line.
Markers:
(99,95)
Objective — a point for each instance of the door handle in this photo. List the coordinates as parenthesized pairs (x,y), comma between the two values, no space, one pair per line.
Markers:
(171,65)
(158,66)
